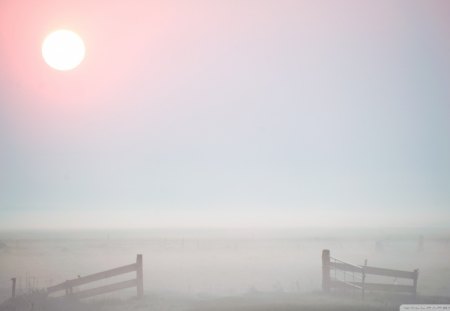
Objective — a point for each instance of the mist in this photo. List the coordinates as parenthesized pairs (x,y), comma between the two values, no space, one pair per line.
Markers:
(229,143)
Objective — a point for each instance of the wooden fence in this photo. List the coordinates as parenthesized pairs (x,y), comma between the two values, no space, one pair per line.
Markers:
(137,282)
(357,278)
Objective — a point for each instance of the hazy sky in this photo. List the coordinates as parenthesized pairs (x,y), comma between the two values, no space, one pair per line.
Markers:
(227,113)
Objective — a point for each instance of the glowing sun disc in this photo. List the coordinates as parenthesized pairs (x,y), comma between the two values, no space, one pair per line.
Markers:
(63,50)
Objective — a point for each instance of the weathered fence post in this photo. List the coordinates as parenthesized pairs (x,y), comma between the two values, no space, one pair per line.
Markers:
(139,276)
(326,270)
(363,280)
(13,287)
(416,277)
(68,288)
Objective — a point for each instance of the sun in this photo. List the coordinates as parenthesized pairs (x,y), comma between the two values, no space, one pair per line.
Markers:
(63,50)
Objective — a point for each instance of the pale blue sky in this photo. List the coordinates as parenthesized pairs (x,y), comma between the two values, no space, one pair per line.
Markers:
(228,113)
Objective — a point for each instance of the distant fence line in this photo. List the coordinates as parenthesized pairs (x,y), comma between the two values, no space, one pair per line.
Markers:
(357,279)
(137,282)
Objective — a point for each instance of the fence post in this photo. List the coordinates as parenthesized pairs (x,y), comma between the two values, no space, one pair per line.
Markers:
(416,276)
(13,287)
(326,270)
(139,276)
(68,288)
(363,280)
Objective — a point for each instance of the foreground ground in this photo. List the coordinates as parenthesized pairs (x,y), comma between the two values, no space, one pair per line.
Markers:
(248,302)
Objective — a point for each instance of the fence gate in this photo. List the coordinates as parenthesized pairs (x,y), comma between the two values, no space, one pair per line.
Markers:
(354,276)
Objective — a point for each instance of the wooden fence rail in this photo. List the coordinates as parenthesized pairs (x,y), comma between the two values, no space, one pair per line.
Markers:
(362,271)
(137,282)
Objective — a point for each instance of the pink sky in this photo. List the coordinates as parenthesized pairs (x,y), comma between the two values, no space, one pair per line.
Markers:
(224,110)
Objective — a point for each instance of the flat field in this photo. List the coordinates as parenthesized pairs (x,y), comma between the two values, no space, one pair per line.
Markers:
(224,269)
